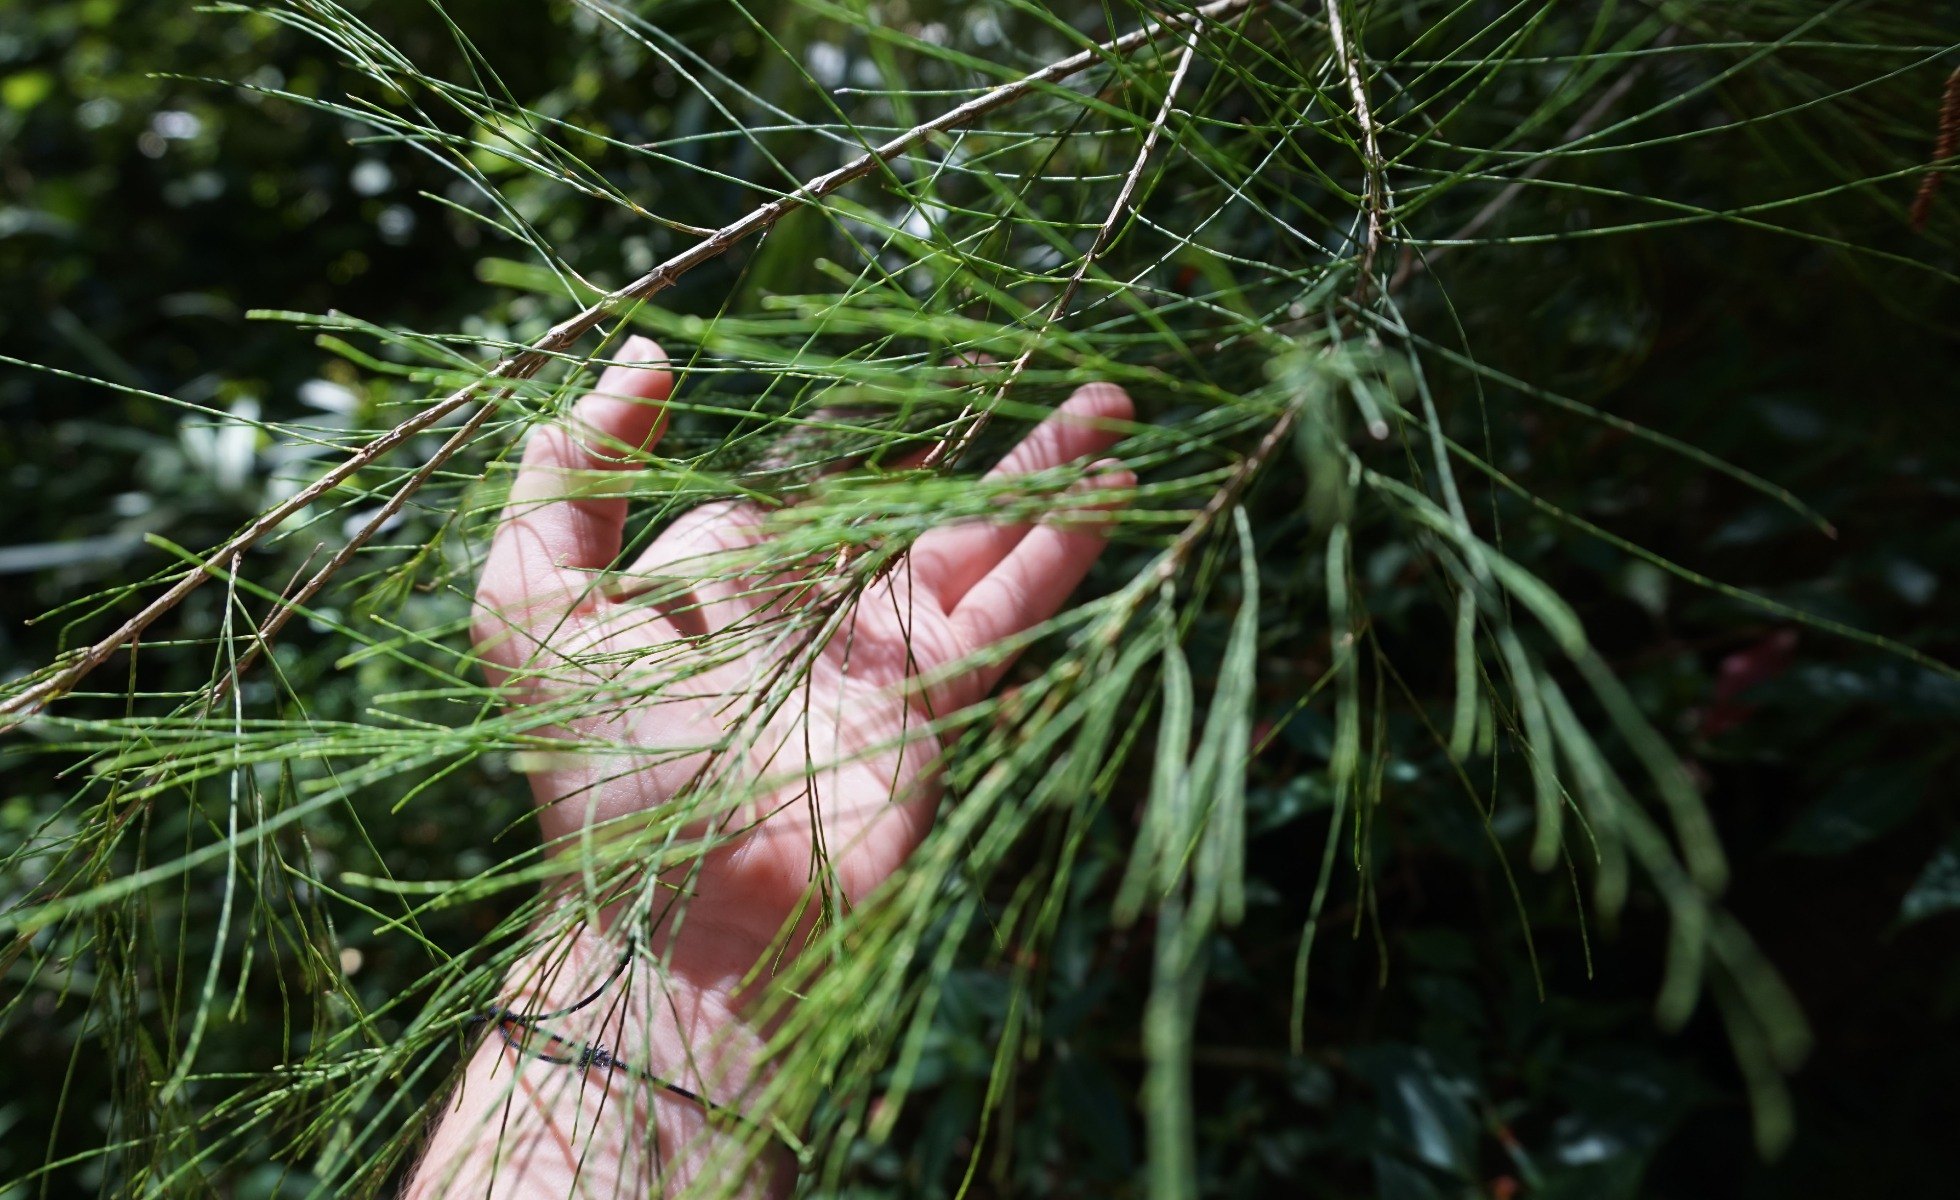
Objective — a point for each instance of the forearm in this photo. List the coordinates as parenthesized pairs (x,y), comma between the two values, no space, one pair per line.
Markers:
(520,1125)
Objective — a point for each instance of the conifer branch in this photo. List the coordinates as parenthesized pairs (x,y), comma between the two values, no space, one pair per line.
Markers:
(557,342)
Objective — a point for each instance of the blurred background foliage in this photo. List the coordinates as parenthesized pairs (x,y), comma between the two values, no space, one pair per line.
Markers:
(144,210)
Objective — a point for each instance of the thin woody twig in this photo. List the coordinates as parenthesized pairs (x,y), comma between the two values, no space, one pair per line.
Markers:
(1374,195)
(1221,501)
(559,339)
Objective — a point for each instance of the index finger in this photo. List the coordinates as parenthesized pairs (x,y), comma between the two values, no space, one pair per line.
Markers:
(559,523)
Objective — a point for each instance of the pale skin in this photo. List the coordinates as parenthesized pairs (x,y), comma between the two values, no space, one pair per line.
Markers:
(851,763)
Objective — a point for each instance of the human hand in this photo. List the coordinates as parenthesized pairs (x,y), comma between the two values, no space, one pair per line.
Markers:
(835,781)
(784,716)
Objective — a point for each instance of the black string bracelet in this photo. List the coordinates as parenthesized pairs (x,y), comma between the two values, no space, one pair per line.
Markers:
(594,1055)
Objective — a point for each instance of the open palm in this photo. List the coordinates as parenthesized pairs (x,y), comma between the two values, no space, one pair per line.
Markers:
(819,727)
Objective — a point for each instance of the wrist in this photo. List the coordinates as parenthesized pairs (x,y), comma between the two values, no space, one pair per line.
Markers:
(612,989)
(601,1072)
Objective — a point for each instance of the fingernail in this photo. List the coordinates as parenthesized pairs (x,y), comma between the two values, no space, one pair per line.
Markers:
(1101,390)
(639,349)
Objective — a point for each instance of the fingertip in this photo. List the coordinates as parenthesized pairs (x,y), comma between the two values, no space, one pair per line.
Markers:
(638,370)
(626,406)
(1093,419)
(1100,401)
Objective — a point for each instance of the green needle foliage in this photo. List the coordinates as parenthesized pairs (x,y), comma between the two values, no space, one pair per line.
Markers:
(268,857)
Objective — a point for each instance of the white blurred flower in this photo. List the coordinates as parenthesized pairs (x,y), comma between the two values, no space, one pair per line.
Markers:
(328,396)
(226,452)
